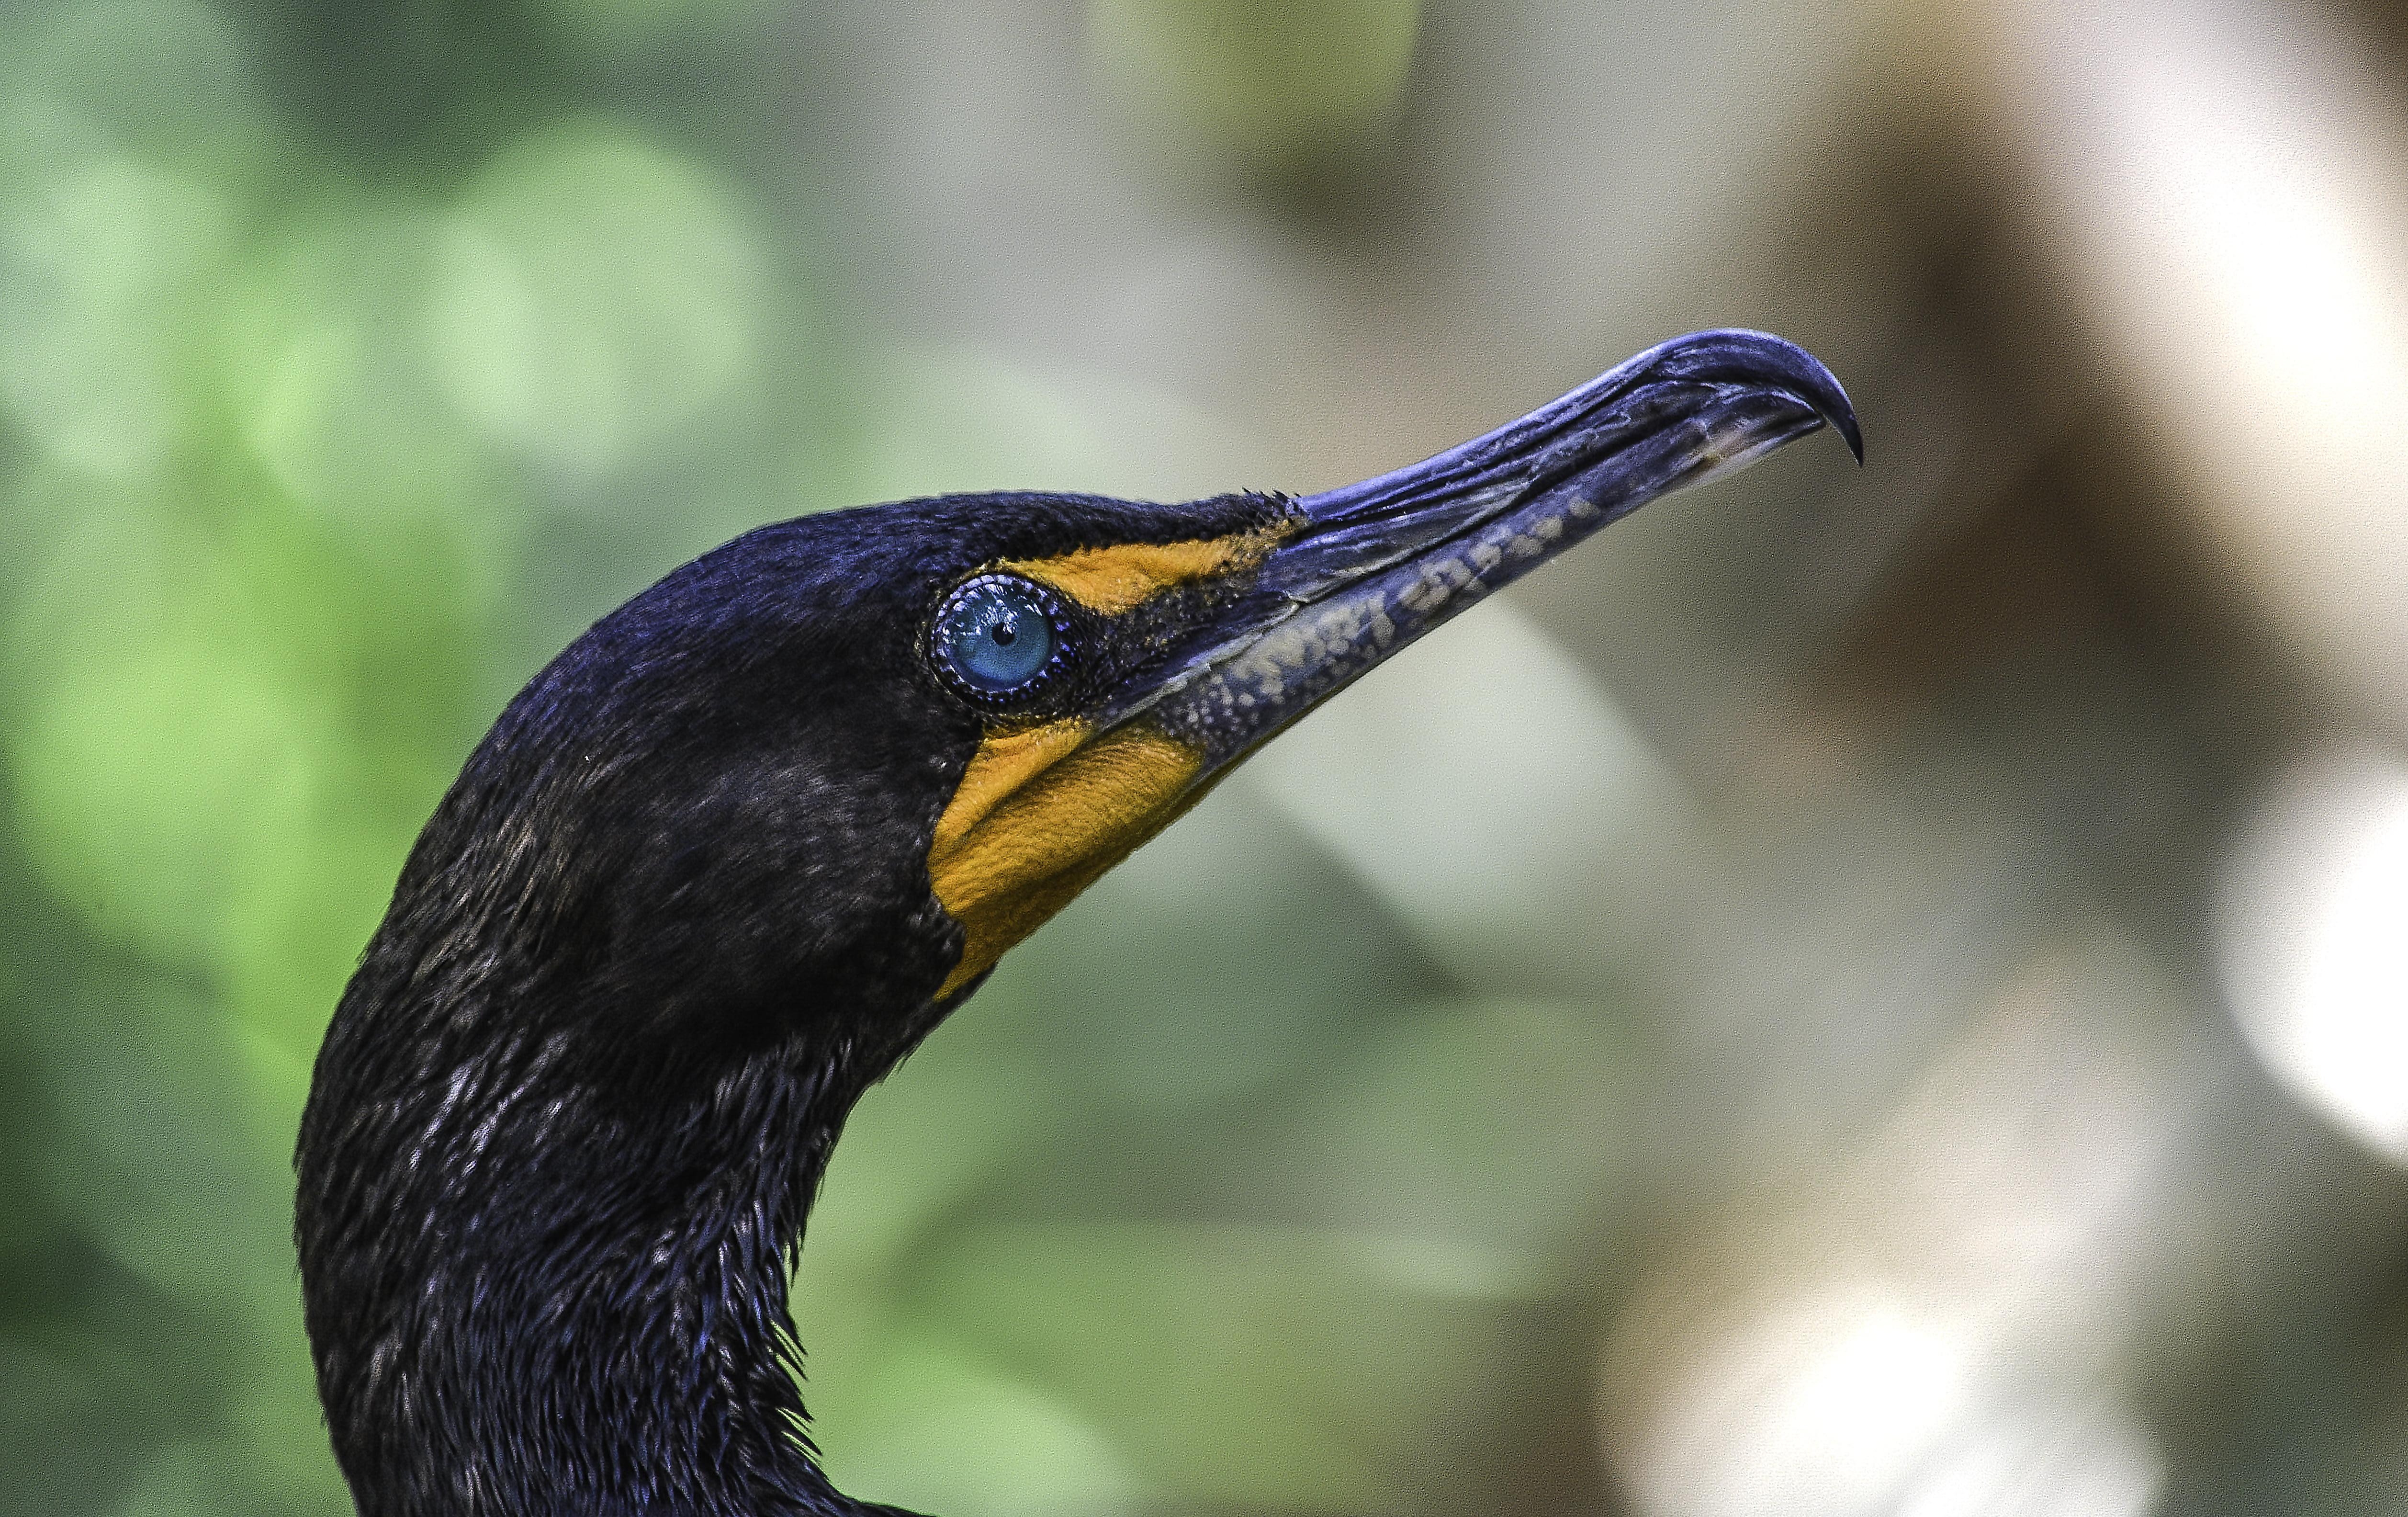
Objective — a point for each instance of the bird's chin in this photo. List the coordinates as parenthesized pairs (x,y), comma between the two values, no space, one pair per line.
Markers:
(1053,829)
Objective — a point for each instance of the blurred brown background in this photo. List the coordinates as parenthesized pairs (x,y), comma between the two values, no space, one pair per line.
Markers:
(1875,992)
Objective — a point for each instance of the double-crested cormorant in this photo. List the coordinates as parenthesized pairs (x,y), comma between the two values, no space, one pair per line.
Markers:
(749,839)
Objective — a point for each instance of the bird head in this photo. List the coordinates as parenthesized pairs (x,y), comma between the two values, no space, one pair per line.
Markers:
(736,849)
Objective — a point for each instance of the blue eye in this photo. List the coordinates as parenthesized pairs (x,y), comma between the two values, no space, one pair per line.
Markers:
(997,635)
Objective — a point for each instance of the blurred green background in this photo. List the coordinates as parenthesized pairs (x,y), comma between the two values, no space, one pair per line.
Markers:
(1876,992)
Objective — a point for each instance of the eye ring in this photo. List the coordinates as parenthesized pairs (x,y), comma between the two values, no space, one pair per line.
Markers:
(999,641)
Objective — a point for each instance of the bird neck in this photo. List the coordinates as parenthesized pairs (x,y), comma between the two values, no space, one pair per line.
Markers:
(587,1311)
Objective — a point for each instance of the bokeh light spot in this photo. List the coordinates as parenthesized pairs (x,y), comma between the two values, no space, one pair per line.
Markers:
(594,295)
(157,775)
(337,398)
(2315,940)
(100,273)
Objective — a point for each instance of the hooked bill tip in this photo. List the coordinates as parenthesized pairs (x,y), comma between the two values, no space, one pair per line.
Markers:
(1844,421)
(1737,355)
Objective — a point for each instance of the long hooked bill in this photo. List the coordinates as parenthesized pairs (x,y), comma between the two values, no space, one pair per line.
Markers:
(1375,565)
(1313,601)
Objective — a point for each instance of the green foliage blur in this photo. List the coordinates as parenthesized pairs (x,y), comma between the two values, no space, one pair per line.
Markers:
(351,362)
